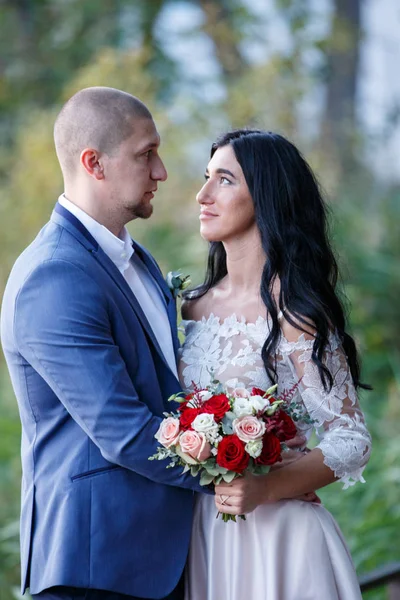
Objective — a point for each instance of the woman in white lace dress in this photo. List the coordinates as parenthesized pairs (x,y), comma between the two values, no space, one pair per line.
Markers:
(268,312)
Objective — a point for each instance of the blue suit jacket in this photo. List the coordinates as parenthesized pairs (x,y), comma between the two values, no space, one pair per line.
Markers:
(92,384)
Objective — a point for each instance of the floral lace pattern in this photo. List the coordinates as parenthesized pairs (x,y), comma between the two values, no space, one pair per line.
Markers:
(230,350)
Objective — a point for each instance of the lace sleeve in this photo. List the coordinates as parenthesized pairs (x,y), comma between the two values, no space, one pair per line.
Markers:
(338,420)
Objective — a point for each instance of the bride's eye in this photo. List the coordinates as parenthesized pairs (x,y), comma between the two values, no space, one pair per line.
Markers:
(206,177)
(225,180)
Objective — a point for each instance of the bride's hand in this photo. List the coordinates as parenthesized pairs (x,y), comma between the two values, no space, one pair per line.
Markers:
(241,496)
(245,493)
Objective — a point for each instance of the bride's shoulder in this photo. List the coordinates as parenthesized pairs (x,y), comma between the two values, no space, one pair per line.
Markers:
(293,327)
(193,309)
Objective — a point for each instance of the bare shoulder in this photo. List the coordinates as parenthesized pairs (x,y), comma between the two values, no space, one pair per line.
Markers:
(292,332)
(194,310)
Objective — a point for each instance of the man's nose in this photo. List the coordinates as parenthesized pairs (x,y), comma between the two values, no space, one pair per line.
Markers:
(159,172)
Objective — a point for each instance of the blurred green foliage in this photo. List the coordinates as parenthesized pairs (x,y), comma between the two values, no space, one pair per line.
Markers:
(64,46)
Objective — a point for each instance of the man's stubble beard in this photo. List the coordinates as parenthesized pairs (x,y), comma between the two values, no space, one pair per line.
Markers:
(140,211)
(143,212)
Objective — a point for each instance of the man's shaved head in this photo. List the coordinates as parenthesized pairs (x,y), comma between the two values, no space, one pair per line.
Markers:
(96,117)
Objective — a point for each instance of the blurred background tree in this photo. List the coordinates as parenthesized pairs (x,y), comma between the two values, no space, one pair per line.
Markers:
(203,66)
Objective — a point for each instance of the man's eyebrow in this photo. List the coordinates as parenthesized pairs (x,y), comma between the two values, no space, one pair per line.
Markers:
(149,146)
(223,172)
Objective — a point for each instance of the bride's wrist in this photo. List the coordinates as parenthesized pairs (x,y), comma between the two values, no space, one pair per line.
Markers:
(270,489)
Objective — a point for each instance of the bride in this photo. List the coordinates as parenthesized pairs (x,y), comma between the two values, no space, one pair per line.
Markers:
(268,312)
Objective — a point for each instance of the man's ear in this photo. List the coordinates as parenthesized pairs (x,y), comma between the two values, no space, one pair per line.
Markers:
(90,161)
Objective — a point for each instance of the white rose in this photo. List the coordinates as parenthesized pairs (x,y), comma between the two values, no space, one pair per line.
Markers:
(258,402)
(204,395)
(254,448)
(205,423)
(242,407)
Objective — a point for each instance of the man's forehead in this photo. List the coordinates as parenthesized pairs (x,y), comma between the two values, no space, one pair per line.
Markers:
(146,134)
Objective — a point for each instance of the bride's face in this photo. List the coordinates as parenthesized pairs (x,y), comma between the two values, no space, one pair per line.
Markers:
(226,206)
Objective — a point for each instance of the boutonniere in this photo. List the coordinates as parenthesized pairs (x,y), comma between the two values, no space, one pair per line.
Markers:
(177,282)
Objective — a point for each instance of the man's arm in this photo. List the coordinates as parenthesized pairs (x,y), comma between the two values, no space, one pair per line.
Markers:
(62,329)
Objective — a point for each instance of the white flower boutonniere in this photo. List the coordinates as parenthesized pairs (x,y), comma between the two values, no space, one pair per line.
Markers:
(177,282)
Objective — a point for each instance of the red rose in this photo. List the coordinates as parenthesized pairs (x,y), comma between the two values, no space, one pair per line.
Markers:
(257,392)
(217,406)
(187,417)
(183,405)
(232,454)
(271,452)
(282,426)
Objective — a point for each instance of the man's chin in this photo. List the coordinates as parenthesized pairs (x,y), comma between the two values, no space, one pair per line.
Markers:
(143,212)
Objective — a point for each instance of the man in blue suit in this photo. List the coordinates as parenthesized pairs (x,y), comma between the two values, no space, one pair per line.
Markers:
(89,333)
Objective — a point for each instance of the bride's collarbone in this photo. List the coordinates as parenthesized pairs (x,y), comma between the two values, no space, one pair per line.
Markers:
(219,303)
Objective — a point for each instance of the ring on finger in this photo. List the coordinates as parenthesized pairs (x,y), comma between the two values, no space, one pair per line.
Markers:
(224,499)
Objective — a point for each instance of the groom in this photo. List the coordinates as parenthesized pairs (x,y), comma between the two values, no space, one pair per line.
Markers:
(89,333)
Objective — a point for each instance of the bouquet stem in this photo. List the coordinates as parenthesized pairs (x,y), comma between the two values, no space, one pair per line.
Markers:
(227,517)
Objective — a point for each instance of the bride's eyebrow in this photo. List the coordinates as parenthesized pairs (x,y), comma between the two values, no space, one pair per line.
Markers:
(222,172)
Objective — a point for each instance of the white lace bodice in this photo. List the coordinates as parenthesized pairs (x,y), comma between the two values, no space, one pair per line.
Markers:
(231,349)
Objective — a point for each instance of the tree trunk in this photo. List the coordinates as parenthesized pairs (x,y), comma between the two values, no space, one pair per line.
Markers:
(220,29)
(339,122)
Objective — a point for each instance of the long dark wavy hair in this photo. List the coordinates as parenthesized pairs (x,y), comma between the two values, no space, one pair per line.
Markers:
(292,219)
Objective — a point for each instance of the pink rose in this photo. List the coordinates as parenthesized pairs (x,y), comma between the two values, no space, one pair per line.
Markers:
(240,393)
(195,444)
(168,432)
(248,428)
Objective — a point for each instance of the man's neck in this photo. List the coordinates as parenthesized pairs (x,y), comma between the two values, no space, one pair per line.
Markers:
(96,212)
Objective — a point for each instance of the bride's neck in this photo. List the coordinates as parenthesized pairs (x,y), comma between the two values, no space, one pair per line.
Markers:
(245,260)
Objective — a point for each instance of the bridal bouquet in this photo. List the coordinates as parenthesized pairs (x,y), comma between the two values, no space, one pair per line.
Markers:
(221,434)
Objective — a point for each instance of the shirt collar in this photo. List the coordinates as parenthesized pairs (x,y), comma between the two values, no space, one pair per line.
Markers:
(118,249)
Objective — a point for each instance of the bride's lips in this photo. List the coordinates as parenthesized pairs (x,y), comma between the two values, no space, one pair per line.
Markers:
(206,214)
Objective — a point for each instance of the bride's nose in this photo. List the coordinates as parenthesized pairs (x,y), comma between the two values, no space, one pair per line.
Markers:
(203,196)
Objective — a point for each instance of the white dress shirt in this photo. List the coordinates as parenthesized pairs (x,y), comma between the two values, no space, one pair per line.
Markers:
(142,284)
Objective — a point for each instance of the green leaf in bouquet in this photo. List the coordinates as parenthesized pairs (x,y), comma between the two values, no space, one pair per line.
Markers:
(214,469)
(206,478)
(261,469)
(271,390)
(229,476)
(226,423)
(273,407)
(221,470)
(179,397)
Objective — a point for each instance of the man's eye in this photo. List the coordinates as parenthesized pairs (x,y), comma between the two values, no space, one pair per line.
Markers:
(148,153)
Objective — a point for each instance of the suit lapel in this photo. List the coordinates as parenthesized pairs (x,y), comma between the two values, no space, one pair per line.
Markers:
(66,219)
(155,272)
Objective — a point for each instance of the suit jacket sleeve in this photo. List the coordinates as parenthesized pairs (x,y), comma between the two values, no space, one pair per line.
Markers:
(62,329)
